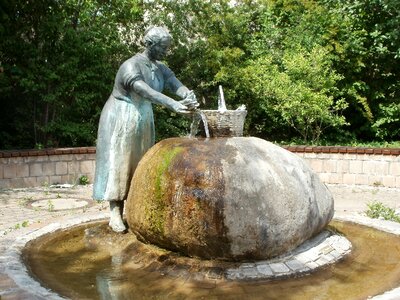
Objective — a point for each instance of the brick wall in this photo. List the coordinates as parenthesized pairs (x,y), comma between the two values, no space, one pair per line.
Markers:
(30,168)
(354,166)
(348,165)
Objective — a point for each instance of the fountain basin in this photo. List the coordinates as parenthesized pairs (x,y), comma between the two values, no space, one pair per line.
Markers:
(99,264)
(233,199)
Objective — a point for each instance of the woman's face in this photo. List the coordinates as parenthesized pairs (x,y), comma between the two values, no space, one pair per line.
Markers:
(160,50)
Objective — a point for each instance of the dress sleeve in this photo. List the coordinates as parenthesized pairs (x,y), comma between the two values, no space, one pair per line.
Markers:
(130,73)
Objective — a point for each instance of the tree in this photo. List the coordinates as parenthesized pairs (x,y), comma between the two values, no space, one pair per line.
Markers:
(370,64)
(58,61)
(309,70)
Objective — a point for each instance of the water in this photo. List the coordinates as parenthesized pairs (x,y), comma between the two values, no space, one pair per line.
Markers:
(105,265)
(197,117)
(221,101)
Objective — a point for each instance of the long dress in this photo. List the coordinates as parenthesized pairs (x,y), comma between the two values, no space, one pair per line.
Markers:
(126,127)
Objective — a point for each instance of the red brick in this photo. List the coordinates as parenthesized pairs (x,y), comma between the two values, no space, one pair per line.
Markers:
(369,151)
(34,153)
(308,149)
(360,150)
(51,152)
(6,154)
(351,150)
(300,148)
(290,148)
(318,149)
(386,152)
(395,151)
(334,150)
(24,153)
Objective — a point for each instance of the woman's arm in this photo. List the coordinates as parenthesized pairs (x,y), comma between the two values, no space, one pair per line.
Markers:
(144,90)
(188,96)
(176,87)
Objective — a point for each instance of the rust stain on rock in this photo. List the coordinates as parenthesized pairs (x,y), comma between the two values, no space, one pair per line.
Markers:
(185,204)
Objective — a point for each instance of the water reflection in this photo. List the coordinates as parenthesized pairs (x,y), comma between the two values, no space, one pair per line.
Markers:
(103,265)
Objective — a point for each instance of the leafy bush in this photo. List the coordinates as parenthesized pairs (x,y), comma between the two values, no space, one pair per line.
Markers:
(83,180)
(299,91)
(377,210)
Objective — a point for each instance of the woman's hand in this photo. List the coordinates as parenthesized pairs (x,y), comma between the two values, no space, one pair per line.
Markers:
(190,101)
(180,108)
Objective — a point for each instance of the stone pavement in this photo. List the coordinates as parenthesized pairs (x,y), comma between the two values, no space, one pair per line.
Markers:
(25,210)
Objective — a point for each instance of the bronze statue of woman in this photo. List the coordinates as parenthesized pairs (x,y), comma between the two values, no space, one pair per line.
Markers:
(126,127)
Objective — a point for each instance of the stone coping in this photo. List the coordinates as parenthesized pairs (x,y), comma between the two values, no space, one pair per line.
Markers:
(343,150)
(295,149)
(44,152)
(323,247)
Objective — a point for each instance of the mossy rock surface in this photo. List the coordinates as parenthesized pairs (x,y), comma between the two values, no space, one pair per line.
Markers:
(234,198)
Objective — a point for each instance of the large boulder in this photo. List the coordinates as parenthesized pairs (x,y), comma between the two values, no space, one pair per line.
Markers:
(237,198)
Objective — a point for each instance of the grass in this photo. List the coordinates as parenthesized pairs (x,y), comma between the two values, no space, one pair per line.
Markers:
(50,205)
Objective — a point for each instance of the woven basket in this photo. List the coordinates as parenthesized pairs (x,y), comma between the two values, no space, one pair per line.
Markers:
(225,124)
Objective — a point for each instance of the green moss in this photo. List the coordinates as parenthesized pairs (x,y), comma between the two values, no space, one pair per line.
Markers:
(155,212)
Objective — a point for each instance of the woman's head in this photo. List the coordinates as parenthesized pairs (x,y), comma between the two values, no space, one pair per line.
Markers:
(157,40)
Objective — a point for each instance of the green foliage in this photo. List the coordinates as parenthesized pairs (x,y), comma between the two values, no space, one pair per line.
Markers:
(377,210)
(83,180)
(58,62)
(370,64)
(50,206)
(298,91)
(388,121)
(309,71)
(169,124)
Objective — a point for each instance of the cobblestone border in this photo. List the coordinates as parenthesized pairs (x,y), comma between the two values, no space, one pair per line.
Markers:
(324,249)
(15,267)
